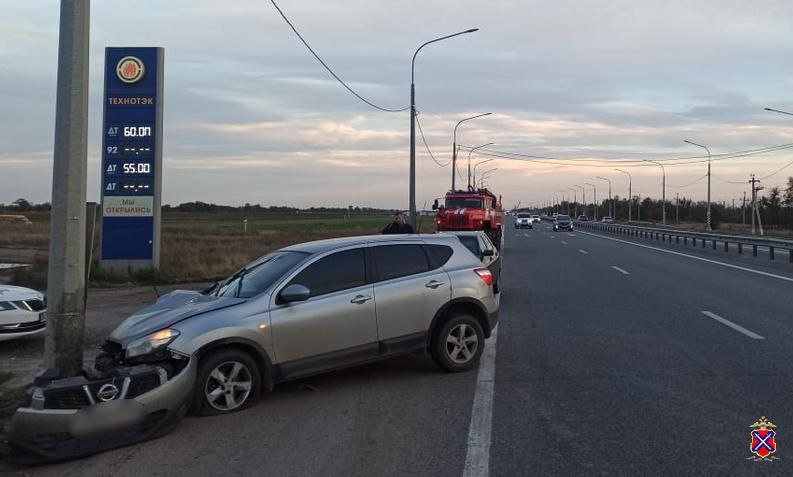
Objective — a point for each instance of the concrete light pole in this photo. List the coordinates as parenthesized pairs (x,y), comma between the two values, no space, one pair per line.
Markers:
(454,144)
(63,344)
(412,194)
(575,201)
(583,198)
(663,192)
(707,215)
(469,162)
(594,201)
(630,191)
(611,201)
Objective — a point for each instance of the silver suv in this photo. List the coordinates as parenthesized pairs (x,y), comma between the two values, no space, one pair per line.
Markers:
(295,312)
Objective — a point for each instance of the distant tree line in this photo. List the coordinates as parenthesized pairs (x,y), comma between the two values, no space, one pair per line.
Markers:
(23,205)
(775,206)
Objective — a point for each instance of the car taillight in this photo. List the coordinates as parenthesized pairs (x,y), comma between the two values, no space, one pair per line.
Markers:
(484,275)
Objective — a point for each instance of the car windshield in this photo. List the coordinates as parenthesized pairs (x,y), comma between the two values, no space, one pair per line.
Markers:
(260,274)
(463,203)
(562,217)
(524,216)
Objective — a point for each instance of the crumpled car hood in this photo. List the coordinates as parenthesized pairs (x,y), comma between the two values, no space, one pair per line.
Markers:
(167,310)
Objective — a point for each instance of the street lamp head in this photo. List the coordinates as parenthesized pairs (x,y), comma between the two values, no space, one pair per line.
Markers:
(471,30)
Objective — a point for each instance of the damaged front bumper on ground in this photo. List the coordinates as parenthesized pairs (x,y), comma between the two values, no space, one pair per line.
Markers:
(78,416)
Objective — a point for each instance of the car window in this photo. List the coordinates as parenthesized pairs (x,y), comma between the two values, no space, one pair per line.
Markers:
(461,202)
(338,271)
(471,243)
(484,242)
(260,274)
(524,216)
(393,261)
(438,255)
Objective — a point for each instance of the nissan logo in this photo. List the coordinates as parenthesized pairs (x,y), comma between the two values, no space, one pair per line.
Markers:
(107,392)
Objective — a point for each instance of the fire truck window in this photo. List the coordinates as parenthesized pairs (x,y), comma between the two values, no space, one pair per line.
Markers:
(394,261)
(463,203)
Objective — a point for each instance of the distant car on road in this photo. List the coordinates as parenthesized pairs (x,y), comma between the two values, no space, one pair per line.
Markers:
(22,312)
(607,220)
(295,312)
(562,222)
(483,248)
(535,218)
(583,218)
(523,220)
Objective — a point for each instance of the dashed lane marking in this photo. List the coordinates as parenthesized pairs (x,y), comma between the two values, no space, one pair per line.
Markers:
(738,328)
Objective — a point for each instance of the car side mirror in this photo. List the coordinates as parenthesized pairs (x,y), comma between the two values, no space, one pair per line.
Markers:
(435,205)
(488,253)
(295,292)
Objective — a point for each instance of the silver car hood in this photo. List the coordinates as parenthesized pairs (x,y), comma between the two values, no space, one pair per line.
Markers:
(169,309)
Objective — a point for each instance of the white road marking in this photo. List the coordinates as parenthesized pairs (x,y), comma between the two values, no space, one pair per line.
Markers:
(583,251)
(624,272)
(738,328)
(728,265)
(564,243)
(526,235)
(477,458)
(570,235)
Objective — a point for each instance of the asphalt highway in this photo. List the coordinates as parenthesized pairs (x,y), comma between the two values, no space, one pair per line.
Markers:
(611,358)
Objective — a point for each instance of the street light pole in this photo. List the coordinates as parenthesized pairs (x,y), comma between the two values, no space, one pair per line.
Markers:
(663,192)
(412,194)
(575,201)
(594,201)
(630,192)
(611,201)
(454,144)
(707,215)
(583,197)
(469,162)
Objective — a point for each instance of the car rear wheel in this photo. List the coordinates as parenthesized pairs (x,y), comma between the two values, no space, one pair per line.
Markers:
(458,344)
(228,381)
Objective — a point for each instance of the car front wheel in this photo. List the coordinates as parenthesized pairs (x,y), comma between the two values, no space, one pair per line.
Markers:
(459,344)
(228,380)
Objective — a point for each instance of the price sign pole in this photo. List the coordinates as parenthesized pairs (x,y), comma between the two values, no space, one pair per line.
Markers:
(132,159)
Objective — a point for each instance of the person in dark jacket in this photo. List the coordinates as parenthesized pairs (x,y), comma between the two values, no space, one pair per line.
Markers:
(398,226)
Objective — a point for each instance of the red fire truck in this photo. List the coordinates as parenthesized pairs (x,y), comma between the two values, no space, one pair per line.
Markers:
(474,209)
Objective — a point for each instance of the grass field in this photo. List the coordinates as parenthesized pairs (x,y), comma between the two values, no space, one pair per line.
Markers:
(198,246)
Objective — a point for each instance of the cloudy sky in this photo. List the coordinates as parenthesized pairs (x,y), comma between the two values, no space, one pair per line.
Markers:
(250,116)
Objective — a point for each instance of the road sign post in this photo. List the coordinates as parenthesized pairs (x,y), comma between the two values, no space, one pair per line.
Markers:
(132,159)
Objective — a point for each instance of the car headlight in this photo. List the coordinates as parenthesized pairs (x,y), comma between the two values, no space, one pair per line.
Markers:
(151,343)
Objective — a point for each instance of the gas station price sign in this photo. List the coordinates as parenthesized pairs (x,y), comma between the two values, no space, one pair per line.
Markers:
(132,157)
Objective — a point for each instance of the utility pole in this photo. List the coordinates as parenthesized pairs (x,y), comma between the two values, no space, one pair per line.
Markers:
(630,192)
(743,210)
(63,344)
(677,208)
(707,213)
(454,144)
(755,209)
(594,200)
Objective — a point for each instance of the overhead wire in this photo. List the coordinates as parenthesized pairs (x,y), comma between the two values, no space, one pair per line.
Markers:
(328,68)
(424,140)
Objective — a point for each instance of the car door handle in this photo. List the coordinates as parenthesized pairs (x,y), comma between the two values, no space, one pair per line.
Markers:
(360,299)
(434,284)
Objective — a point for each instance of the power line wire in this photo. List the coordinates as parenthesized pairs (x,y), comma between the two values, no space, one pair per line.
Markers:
(424,140)
(778,170)
(388,110)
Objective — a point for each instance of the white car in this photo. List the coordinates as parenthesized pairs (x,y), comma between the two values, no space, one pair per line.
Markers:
(523,220)
(23,312)
(535,218)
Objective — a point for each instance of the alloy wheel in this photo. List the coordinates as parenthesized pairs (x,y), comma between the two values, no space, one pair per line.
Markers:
(462,343)
(228,386)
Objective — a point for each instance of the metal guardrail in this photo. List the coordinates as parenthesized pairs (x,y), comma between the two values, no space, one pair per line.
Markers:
(676,236)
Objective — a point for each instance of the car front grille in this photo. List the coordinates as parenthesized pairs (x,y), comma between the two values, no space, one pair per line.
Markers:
(143,384)
(67,398)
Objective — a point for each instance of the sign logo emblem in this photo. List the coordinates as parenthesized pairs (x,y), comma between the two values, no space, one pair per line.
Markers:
(763,441)
(130,69)
(107,392)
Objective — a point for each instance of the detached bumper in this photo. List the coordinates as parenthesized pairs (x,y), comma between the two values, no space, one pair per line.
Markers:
(41,433)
